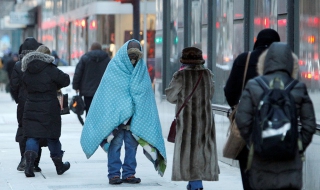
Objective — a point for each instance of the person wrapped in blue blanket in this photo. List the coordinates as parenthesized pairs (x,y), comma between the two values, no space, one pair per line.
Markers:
(124,109)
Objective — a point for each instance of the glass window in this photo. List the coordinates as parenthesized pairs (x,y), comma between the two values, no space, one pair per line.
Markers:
(282,6)
(265,15)
(224,47)
(238,9)
(282,29)
(309,50)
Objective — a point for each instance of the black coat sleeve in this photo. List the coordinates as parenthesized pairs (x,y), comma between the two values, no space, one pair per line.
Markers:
(233,88)
(15,81)
(76,83)
(60,78)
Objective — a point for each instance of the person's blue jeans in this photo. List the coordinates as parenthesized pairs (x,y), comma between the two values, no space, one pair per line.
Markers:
(114,162)
(54,146)
(195,184)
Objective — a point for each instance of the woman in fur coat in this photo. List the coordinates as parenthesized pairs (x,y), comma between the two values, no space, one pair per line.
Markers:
(278,61)
(195,154)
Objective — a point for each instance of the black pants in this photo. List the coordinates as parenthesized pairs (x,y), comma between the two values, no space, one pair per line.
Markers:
(243,159)
(87,102)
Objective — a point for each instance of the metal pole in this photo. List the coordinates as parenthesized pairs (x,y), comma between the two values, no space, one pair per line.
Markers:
(293,25)
(145,31)
(212,33)
(187,23)
(166,45)
(248,25)
(136,19)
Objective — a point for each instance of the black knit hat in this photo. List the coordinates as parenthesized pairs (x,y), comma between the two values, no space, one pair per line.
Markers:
(192,55)
(266,37)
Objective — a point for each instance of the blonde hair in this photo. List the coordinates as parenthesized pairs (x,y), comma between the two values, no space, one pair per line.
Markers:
(44,49)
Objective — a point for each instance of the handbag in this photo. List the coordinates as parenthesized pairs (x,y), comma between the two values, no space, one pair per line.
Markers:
(77,106)
(172,132)
(235,142)
(63,100)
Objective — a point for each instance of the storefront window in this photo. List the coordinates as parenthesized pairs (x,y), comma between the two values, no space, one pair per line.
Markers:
(265,15)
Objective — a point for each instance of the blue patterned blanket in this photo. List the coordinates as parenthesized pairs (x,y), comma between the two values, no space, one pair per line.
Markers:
(124,92)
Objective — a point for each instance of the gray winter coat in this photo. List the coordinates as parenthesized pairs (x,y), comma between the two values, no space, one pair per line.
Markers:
(195,153)
(277,61)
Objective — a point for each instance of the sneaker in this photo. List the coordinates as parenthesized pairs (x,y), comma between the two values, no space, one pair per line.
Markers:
(22,165)
(131,179)
(115,180)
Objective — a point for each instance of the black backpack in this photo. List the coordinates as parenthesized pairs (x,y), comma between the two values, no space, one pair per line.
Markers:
(275,129)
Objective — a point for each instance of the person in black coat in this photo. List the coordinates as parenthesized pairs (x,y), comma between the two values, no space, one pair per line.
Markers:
(41,116)
(19,94)
(233,88)
(89,72)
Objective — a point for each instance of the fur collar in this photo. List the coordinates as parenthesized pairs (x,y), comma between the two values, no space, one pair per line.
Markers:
(261,62)
(35,56)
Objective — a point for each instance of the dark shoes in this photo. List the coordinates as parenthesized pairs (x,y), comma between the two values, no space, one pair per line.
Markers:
(115,180)
(131,179)
(37,169)
(22,164)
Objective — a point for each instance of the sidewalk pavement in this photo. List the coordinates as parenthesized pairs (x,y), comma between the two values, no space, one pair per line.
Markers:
(88,174)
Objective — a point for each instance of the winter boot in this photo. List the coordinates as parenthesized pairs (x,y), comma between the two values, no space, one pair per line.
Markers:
(22,164)
(60,166)
(30,158)
(36,162)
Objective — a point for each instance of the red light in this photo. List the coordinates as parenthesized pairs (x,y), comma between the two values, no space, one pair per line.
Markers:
(311,39)
(217,24)
(266,22)
(93,25)
(282,22)
(301,62)
(83,23)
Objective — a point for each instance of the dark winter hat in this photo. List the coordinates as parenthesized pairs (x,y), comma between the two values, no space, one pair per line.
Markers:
(266,37)
(30,44)
(192,55)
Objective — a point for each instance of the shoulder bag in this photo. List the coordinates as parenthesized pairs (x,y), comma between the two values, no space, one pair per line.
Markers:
(235,142)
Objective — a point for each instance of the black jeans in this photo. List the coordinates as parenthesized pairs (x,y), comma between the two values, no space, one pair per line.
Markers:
(243,159)
(87,102)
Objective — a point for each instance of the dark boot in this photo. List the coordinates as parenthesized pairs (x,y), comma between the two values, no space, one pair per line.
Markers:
(36,162)
(22,164)
(60,166)
(30,158)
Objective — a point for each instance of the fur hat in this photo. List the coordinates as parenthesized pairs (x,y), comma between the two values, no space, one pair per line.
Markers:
(192,55)
(44,49)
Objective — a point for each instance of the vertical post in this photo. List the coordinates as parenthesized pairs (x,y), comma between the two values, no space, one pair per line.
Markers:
(293,25)
(248,24)
(187,23)
(136,19)
(166,45)
(212,33)
(145,31)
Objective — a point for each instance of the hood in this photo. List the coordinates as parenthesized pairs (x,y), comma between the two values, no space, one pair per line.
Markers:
(29,45)
(278,57)
(266,37)
(39,62)
(97,55)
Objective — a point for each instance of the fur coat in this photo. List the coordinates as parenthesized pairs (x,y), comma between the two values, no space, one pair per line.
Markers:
(277,61)
(195,153)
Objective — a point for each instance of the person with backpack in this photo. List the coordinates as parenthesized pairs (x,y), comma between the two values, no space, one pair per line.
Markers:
(233,88)
(267,117)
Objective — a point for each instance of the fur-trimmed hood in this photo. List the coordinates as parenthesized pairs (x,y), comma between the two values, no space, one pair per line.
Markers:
(278,57)
(40,61)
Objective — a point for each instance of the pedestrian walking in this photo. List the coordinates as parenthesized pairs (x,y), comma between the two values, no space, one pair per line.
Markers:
(19,94)
(41,116)
(89,72)
(195,154)
(233,88)
(124,110)
(278,66)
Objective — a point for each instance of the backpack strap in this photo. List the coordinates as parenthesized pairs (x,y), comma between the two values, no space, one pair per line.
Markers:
(263,83)
(290,85)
